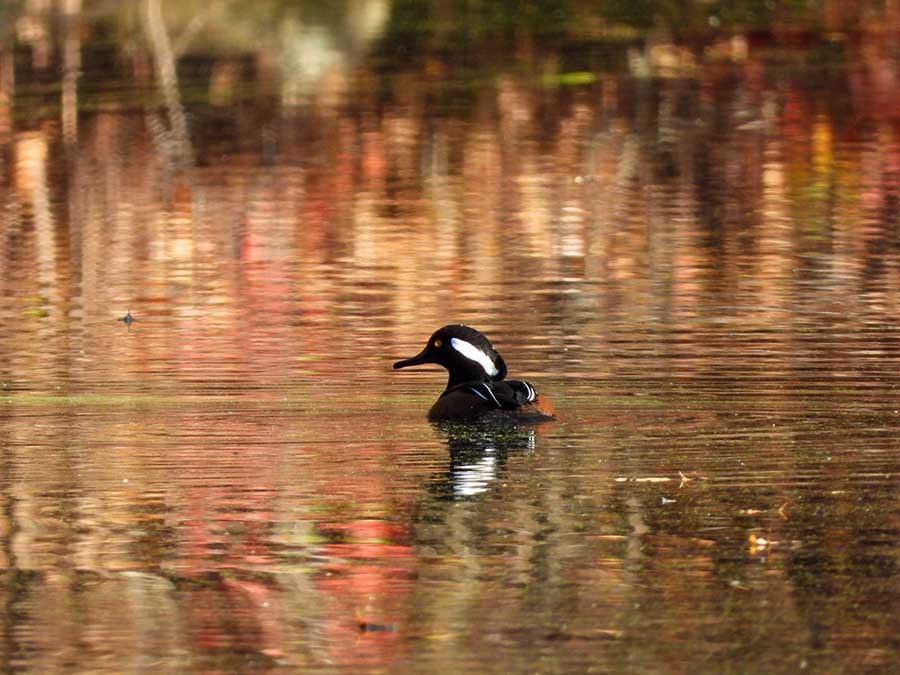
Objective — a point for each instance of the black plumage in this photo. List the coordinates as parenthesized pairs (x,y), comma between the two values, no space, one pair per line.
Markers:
(476,388)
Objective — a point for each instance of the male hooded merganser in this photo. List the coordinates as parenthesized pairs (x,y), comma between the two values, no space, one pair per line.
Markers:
(476,389)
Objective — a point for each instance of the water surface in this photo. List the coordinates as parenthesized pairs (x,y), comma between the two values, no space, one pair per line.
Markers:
(688,241)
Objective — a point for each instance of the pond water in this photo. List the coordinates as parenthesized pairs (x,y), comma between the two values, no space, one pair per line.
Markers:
(689,242)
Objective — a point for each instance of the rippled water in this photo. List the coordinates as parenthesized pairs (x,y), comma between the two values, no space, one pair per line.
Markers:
(696,258)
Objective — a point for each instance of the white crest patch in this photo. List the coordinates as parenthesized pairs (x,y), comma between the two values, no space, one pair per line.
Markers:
(473,353)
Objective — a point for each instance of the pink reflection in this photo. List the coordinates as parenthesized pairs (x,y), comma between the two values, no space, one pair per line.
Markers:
(367,586)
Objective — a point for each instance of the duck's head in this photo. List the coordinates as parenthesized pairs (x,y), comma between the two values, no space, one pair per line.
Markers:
(465,353)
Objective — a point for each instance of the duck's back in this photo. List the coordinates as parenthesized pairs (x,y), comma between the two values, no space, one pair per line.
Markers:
(513,400)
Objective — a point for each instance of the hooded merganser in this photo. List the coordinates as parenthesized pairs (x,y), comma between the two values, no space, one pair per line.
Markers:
(476,389)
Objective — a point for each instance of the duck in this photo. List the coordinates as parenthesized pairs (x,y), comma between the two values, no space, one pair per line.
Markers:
(476,388)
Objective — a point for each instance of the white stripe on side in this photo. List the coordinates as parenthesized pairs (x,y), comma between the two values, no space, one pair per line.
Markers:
(492,396)
(475,391)
(479,388)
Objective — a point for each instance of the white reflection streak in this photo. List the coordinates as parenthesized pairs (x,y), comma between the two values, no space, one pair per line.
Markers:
(164,58)
(473,479)
(31,181)
(7,91)
(71,70)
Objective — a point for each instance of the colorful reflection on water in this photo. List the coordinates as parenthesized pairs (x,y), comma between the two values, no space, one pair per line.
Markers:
(689,243)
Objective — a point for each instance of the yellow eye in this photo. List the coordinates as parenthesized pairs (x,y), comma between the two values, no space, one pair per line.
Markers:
(437,343)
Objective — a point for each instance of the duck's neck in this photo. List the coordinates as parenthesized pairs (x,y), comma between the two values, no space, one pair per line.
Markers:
(464,376)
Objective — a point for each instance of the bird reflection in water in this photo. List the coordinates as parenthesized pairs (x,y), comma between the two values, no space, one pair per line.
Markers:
(478,455)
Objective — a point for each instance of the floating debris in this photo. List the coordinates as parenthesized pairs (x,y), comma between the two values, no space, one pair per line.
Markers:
(782,512)
(759,544)
(648,479)
(682,478)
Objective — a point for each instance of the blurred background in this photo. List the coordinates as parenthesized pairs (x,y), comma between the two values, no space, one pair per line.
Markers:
(371,168)
(679,219)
